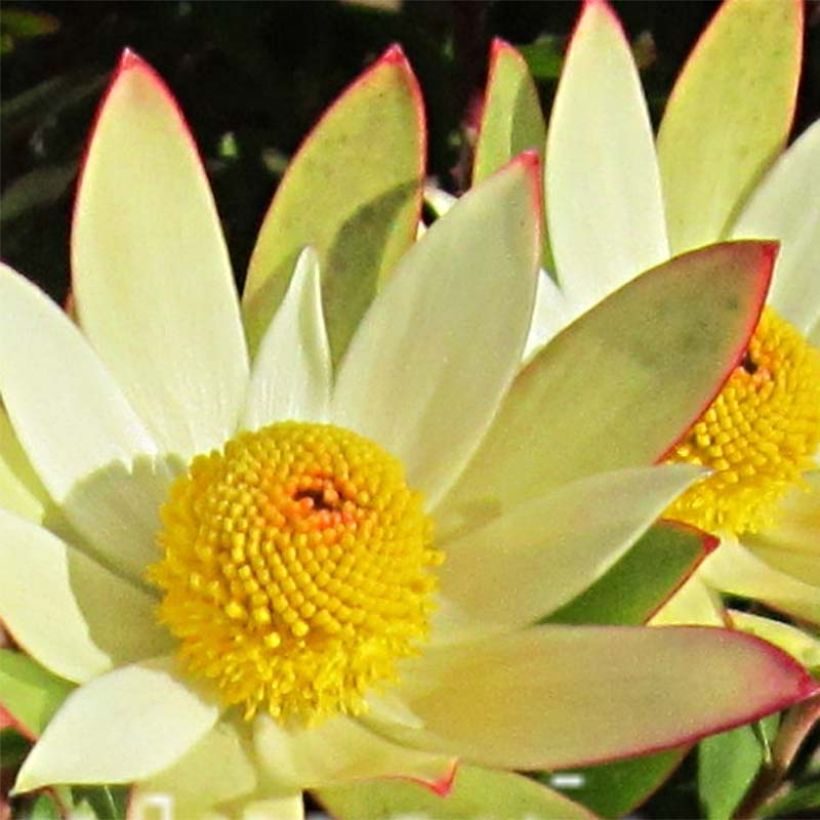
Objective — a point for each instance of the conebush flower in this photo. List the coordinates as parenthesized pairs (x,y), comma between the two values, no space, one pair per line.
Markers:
(327,561)
(617,205)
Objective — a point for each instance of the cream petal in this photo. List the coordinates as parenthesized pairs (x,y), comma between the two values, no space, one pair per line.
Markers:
(42,354)
(289,807)
(734,569)
(217,769)
(441,343)
(605,210)
(693,604)
(803,646)
(792,544)
(122,727)
(550,315)
(784,207)
(66,610)
(338,751)
(92,453)
(21,491)
(530,561)
(559,696)
(291,374)
(152,279)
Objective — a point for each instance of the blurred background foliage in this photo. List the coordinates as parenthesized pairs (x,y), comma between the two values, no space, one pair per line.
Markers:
(252,77)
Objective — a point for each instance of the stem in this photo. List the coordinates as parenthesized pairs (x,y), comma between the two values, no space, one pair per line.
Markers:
(797,723)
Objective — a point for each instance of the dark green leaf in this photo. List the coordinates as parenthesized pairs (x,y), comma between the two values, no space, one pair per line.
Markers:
(727,765)
(613,789)
(28,691)
(799,800)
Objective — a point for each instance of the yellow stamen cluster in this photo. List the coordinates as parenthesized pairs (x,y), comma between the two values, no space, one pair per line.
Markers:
(296,570)
(758,436)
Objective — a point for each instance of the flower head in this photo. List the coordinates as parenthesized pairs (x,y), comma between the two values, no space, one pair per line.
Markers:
(239,554)
(619,205)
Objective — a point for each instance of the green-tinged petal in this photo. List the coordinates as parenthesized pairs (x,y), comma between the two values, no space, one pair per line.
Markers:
(603,193)
(291,374)
(784,206)
(30,693)
(727,765)
(124,726)
(728,116)
(550,315)
(615,789)
(73,615)
(441,344)
(89,448)
(476,792)
(802,646)
(511,121)
(152,279)
(693,603)
(549,550)
(642,581)
(338,751)
(217,769)
(21,491)
(620,385)
(734,569)
(556,696)
(359,214)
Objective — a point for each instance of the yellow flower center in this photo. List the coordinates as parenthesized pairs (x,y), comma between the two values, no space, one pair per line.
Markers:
(296,570)
(757,437)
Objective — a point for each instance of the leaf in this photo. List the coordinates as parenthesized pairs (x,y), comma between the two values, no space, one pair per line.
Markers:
(614,789)
(29,692)
(727,765)
(484,793)
(36,189)
(800,800)
(106,802)
(545,57)
(639,583)
(728,116)
(43,807)
(353,193)
(15,747)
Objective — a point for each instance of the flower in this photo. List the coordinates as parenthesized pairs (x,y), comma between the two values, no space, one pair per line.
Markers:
(618,207)
(282,577)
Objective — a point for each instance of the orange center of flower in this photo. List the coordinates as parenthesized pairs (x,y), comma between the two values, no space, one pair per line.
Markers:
(296,570)
(757,437)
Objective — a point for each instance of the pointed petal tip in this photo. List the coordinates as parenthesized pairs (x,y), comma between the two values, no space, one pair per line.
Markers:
(129,59)
(498,47)
(394,55)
